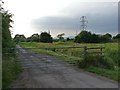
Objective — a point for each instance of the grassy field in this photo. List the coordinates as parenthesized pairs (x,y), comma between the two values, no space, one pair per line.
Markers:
(74,55)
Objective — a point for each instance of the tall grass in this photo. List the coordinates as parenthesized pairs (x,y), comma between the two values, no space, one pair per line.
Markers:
(10,68)
(110,52)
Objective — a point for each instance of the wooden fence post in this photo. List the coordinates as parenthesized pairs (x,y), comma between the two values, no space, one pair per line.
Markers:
(85,52)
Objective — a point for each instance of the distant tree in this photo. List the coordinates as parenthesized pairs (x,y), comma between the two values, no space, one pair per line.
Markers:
(19,38)
(29,39)
(108,34)
(83,37)
(46,37)
(60,36)
(105,38)
(35,38)
(117,36)
(68,39)
(94,38)
(88,37)
(55,40)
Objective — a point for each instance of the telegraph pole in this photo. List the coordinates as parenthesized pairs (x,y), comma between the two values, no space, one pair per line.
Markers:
(83,21)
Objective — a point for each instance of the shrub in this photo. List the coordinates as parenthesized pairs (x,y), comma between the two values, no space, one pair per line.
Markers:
(96,60)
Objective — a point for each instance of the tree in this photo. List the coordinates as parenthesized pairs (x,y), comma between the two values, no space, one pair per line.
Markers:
(35,38)
(88,37)
(94,38)
(19,38)
(28,39)
(46,37)
(105,38)
(6,34)
(60,36)
(108,34)
(83,37)
(68,39)
(117,36)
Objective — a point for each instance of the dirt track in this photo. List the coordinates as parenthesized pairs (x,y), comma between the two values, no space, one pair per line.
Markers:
(43,71)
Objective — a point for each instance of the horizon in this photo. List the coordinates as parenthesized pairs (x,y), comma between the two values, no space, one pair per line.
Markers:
(71,37)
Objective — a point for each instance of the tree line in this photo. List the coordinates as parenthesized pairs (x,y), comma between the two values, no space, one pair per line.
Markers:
(82,37)
(43,37)
(88,37)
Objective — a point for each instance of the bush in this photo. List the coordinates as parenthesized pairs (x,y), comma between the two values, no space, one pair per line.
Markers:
(96,60)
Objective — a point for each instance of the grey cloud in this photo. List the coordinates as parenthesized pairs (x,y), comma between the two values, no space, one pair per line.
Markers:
(64,23)
(102,17)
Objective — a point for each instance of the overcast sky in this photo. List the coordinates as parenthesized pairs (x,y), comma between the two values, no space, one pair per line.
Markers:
(58,16)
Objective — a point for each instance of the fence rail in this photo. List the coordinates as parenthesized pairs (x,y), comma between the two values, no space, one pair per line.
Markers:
(86,50)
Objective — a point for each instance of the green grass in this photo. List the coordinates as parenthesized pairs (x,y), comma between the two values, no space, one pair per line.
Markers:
(70,59)
(111,49)
(110,52)
(55,44)
(112,74)
(74,55)
(10,69)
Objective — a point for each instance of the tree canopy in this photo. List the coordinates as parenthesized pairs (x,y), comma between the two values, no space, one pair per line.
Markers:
(45,37)
(19,38)
(6,34)
(60,36)
(117,36)
(83,37)
(34,38)
(88,37)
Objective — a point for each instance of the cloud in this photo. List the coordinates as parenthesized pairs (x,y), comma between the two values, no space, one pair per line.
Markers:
(65,23)
(102,18)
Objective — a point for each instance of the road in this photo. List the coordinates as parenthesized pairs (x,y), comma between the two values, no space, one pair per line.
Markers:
(44,71)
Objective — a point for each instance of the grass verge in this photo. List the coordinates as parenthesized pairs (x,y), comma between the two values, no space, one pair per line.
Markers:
(10,69)
(112,74)
(70,59)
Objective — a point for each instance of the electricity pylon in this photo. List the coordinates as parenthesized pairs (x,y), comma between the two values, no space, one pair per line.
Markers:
(83,21)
